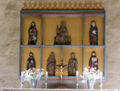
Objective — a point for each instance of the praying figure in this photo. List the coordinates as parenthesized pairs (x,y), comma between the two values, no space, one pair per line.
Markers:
(62,37)
(72,65)
(93,62)
(32,34)
(51,64)
(93,33)
(31,61)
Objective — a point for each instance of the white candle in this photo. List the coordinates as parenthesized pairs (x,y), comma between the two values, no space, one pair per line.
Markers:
(46,79)
(76,73)
(77,79)
(22,74)
(46,74)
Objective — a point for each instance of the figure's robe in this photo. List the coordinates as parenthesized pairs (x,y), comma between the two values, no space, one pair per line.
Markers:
(32,35)
(51,65)
(31,63)
(72,67)
(93,63)
(93,37)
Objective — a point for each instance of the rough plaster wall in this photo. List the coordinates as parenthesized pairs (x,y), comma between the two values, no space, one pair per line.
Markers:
(9,43)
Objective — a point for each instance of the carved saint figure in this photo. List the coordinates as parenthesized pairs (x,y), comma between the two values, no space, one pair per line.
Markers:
(93,33)
(72,65)
(32,34)
(62,37)
(93,62)
(51,64)
(31,61)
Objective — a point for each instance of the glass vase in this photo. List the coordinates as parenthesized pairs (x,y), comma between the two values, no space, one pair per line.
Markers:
(90,84)
(33,83)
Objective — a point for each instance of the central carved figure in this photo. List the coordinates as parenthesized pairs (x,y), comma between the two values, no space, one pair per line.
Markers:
(62,37)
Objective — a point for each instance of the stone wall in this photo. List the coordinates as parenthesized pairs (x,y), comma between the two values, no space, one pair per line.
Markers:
(9,43)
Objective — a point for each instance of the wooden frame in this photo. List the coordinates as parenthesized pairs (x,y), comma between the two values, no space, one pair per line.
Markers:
(41,13)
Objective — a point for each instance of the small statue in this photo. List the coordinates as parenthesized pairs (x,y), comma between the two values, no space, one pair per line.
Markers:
(93,62)
(62,37)
(32,34)
(31,61)
(51,64)
(93,33)
(72,65)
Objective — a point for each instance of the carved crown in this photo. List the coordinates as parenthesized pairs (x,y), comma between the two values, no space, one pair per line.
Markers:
(63,4)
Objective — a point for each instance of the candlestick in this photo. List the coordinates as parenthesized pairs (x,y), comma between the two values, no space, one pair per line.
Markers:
(101,80)
(21,80)
(21,85)
(77,79)
(46,79)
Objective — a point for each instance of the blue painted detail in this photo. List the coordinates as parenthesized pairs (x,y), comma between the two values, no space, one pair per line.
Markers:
(41,42)
(62,46)
(105,45)
(62,54)
(63,79)
(41,58)
(30,45)
(65,10)
(59,13)
(20,46)
(51,46)
(83,26)
(102,46)
(98,46)
(68,79)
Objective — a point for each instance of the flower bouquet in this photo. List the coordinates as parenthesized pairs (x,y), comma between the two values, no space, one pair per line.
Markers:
(31,76)
(91,75)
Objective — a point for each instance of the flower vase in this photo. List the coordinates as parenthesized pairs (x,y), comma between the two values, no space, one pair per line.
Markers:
(33,83)
(90,84)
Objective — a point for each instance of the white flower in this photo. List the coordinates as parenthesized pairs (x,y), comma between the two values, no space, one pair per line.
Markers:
(91,74)
(31,74)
